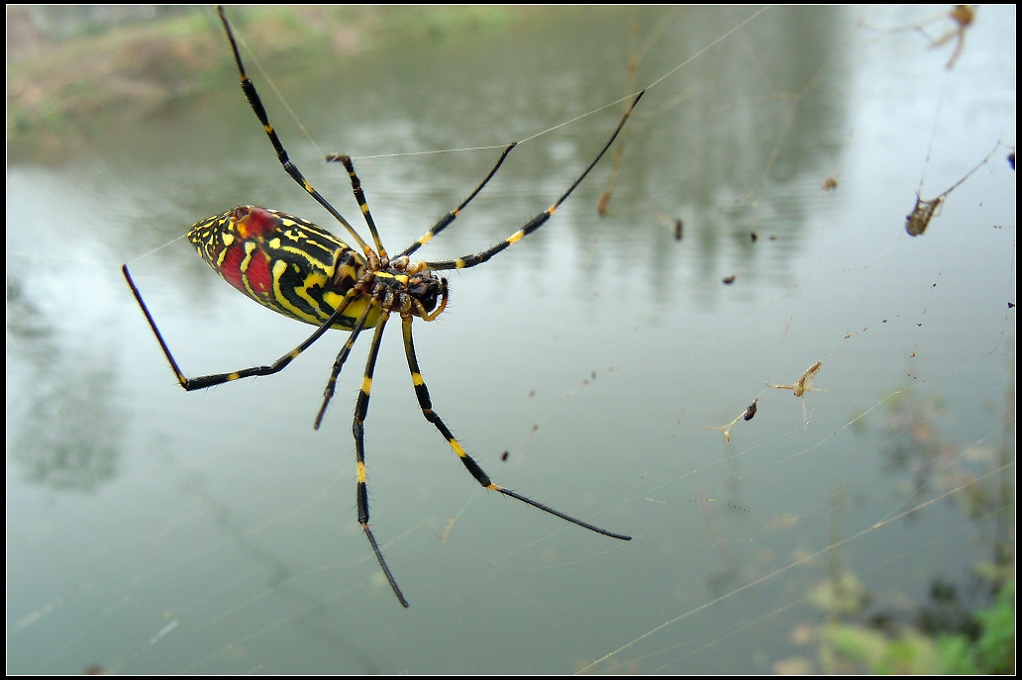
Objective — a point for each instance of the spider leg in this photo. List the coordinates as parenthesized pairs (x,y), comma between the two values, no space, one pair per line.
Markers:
(441,224)
(426,404)
(360,197)
(260,111)
(444,221)
(540,219)
(361,493)
(219,378)
(342,356)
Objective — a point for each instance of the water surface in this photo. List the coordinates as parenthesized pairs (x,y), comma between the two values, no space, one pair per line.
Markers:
(150,530)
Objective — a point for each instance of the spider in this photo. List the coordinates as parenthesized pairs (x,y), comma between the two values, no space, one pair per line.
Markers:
(306,273)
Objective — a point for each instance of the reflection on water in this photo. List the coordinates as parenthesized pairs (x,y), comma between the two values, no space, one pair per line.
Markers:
(219,533)
(65,433)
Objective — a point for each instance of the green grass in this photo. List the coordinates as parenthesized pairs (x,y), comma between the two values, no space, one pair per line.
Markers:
(93,82)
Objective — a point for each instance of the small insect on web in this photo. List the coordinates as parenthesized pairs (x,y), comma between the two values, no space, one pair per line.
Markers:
(304,272)
(803,387)
(804,384)
(748,414)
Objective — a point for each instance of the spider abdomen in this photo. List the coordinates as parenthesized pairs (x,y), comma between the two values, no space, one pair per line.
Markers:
(283,262)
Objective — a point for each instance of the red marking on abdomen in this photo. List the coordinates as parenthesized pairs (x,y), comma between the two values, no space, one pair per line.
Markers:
(231,269)
(259,276)
(257,221)
(257,273)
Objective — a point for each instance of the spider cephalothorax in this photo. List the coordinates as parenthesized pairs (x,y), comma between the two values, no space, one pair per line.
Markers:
(405,287)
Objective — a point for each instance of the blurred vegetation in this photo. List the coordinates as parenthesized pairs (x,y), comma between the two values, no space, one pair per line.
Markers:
(987,645)
(961,629)
(77,71)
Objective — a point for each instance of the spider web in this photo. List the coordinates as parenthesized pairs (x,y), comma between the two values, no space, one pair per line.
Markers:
(754,251)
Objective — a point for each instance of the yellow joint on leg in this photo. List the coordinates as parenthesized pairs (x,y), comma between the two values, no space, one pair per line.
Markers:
(360,472)
(367,384)
(516,237)
(417,379)
(233,376)
(400,278)
(457,448)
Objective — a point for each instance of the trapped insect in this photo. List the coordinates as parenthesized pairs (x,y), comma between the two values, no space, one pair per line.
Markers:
(306,273)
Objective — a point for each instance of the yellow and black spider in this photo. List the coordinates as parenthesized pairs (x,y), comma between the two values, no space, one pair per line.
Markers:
(304,272)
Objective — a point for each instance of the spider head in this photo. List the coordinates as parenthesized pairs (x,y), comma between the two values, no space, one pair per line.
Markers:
(429,292)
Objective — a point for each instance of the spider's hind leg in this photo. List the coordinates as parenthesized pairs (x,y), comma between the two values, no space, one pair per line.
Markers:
(426,404)
(358,430)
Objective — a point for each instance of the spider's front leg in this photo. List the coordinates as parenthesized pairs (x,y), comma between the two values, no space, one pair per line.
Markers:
(539,220)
